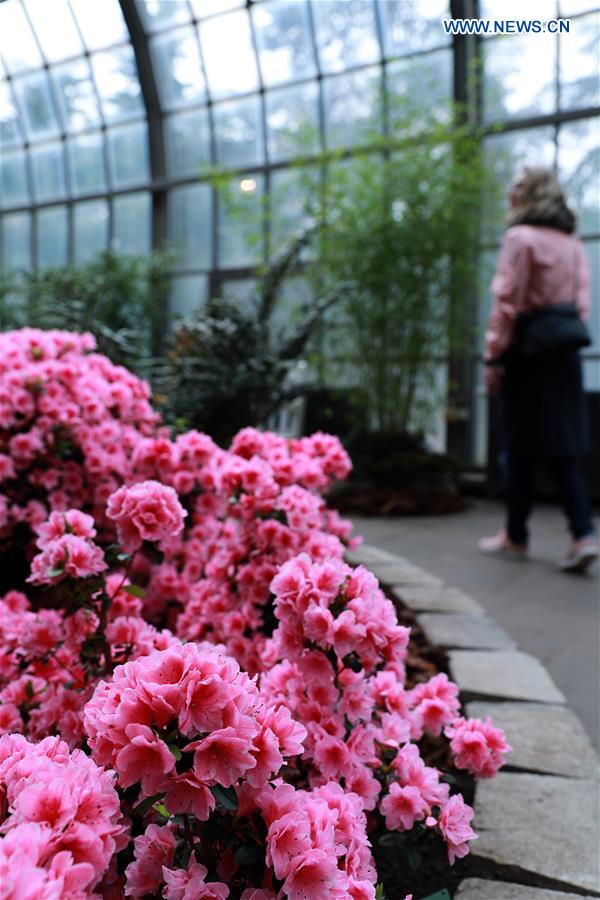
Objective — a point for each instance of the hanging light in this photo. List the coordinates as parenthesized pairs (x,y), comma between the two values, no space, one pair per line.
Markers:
(247,185)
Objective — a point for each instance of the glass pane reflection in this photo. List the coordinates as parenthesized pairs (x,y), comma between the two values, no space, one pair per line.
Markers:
(579,167)
(238,132)
(52,236)
(90,228)
(353,107)
(284,42)
(229,55)
(292,121)
(346,34)
(178,71)
(118,85)
(48,171)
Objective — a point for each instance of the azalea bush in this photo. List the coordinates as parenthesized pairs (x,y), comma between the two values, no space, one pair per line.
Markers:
(199,698)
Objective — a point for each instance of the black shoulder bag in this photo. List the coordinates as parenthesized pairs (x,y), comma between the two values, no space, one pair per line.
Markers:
(551,329)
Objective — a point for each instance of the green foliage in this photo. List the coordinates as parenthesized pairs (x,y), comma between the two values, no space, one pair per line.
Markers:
(227,368)
(399,228)
(118,298)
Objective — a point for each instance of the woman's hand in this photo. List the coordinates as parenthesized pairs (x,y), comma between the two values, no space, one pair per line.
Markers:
(493,379)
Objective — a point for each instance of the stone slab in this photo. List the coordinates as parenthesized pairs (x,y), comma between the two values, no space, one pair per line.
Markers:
(464,630)
(478,889)
(503,675)
(543,737)
(396,574)
(423,598)
(365,554)
(544,825)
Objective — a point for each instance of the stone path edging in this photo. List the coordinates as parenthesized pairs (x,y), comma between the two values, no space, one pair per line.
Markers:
(538,819)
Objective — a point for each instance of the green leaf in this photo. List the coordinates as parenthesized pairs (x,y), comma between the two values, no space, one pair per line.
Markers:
(135,590)
(175,751)
(55,571)
(146,804)
(162,810)
(226,797)
(248,855)
(379,892)
(439,895)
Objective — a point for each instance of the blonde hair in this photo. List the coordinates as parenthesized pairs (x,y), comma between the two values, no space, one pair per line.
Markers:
(541,201)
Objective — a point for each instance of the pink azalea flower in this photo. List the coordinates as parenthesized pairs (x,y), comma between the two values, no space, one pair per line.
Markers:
(454,825)
(402,807)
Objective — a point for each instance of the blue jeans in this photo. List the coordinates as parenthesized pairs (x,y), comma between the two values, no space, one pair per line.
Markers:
(569,482)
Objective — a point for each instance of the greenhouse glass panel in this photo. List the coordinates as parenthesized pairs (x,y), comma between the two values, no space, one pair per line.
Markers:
(591,374)
(128,154)
(291,192)
(188,295)
(86,163)
(285,46)
(592,249)
(240,223)
(100,31)
(158,14)
(76,95)
(242,290)
(229,55)
(293,121)
(10,130)
(579,168)
(238,132)
(55,29)
(132,223)
(412,25)
(190,225)
(90,228)
(203,8)
(353,108)
(48,171)
(579,54)
(20,53)
(179,75)
(346,34)
(52,236)
(118,85)
(16,241)
(187,137)
(433,73)
(519,76)
(505,155)
(513,9)
(33,94)
(13,172)
(572,7)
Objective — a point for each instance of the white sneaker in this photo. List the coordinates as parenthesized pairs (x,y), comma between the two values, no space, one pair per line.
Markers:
(581,555)
(501,545)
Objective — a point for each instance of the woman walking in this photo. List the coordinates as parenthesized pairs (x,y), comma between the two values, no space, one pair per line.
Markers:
(542,269)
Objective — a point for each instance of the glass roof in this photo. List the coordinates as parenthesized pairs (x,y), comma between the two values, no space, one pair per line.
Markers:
(243,85)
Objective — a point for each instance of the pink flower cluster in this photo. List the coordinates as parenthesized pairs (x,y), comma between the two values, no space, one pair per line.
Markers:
(44,680)
(67,549)
(60,818)
(196,701)
(477,746)
(69,420)
(317,843)
(343,678)
(148,511)
(248,758)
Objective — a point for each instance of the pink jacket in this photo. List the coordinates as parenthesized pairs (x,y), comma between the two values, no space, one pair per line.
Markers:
(537,267)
